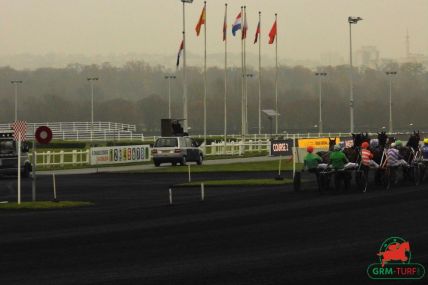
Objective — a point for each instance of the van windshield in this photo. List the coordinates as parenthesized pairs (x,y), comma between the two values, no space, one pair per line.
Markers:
(7,147)
(166,142)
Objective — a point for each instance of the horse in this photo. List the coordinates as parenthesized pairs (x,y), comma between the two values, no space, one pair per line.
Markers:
(353,153)
(325,155)
(378,150)
(409,152)
(412,146)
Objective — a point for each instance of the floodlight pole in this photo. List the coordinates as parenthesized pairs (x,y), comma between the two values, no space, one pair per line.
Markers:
(91,80)
(185,113)
(169,77)
(390,74)
(320,76)
(351,20)
(248,75)
(16,82)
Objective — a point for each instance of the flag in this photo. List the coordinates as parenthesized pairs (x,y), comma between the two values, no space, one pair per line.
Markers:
(272,33)
(244,30)
(180,51)
(237,25)
(256,38)
(200,22)
(225,25)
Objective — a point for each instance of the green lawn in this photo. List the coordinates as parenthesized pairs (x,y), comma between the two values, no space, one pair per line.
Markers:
(242,182)
(245,155)
(43,205)
(271,165)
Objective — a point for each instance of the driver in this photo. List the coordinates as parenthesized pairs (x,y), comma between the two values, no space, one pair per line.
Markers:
(338,158)
(393,156)
(425,150)
(367,156)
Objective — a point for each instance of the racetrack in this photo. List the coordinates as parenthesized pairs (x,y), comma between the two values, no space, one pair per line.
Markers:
(253,235)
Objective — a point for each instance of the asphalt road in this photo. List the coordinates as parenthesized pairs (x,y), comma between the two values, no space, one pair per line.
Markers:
(254,235)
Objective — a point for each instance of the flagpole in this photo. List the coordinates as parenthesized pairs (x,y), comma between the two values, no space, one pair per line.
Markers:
(225,77)
(242,81)
(245,69)
(260,75)
(205,75)
(186,123)
(276,76)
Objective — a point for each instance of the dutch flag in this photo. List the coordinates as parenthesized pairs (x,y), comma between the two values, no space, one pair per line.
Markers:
(237,25)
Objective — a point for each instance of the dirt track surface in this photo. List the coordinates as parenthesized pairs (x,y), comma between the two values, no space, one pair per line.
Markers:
(254,235)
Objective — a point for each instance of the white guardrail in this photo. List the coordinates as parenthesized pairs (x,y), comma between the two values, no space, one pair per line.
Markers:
(75,158)
(77,126)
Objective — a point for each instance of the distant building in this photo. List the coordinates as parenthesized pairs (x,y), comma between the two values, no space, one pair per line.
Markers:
(331,59)
(413,57)
(367,56)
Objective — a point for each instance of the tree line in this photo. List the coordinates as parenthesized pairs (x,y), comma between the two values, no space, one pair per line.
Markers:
(137,93)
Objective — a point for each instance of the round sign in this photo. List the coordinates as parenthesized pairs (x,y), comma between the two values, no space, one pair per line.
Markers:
(43,135)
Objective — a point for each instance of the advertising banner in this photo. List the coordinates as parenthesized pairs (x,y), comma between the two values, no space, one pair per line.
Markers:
(119,154)
(281,147)
(316,142)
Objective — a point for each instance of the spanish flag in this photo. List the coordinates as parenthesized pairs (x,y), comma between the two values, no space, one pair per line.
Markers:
(200,22)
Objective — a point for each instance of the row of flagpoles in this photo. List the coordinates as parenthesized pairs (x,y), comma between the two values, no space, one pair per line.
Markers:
(240,24)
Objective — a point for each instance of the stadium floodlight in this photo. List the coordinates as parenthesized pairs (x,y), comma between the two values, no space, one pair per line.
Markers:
(351,20)
(354,20)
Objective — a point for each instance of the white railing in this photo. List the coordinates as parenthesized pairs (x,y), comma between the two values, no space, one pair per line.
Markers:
(256,137)
(105,135)
(61,158)
(82,157)
(77,126)
(235,148)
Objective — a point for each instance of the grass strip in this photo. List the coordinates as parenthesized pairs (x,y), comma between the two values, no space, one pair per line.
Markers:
(43,205)
(242,182)
(260,166)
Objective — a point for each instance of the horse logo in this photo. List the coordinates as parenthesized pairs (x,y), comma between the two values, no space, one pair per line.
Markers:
(395,252)
(395,262)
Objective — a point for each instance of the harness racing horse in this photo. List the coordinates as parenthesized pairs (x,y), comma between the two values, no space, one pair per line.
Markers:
(379,155)
(353,153)
(325,155)
(408,153)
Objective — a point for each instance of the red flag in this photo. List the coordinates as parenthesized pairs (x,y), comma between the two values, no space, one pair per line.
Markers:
(257,33)
(200,22)
(272,34)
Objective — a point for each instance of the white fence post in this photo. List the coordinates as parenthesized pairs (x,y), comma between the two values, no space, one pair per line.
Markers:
(61,158)
(74,157)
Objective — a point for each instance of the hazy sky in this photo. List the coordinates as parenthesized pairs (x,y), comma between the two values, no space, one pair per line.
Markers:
(307,28)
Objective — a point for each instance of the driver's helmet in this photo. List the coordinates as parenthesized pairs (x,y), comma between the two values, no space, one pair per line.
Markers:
(398,143)
(365,145)
(310,149)
(426,141)
(374,143)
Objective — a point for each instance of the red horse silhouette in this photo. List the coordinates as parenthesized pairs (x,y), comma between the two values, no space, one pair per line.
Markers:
(395,251)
